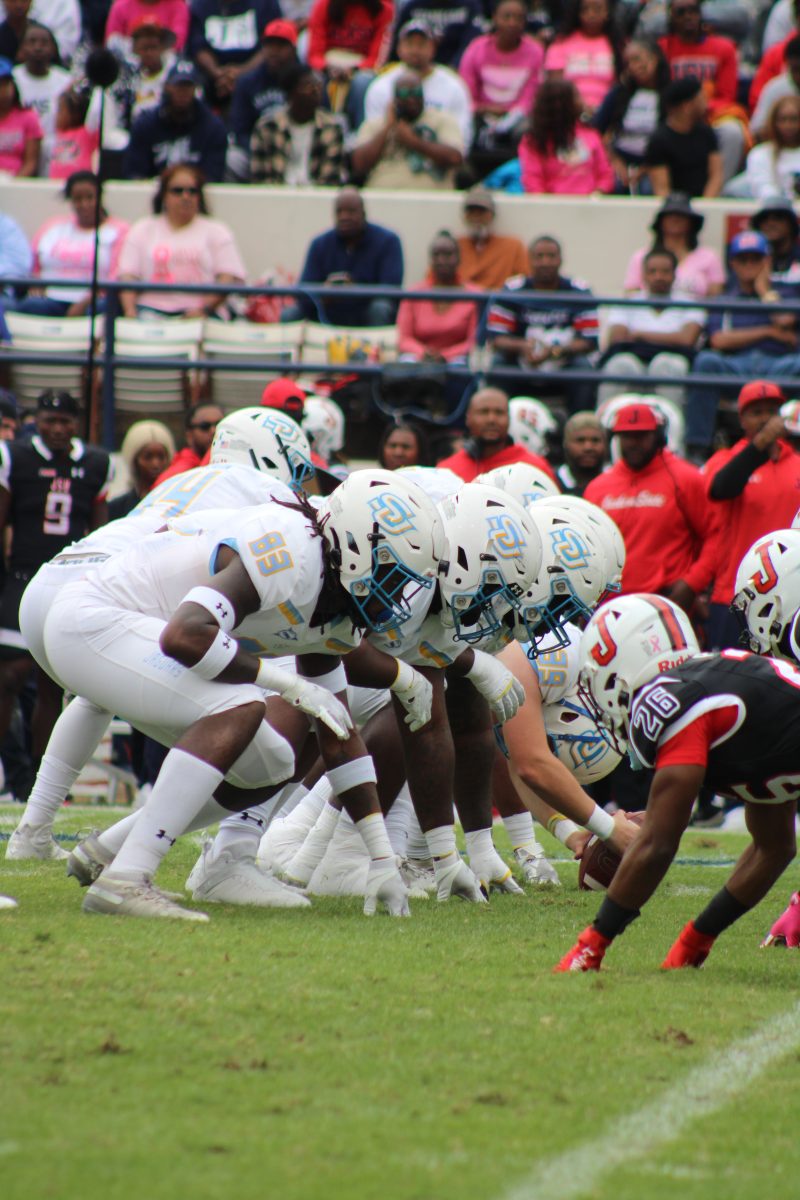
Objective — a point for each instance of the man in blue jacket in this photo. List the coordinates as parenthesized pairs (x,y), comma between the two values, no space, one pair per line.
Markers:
(354,252)
(181,129)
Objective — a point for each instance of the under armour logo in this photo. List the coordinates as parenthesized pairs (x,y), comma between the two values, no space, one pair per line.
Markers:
(223,612)
(226,643)
(162,833)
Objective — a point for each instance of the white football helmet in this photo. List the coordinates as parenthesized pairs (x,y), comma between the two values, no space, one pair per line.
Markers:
(577,742)
(494,552)
(266,439)
(608,530)
(790,412)
(629,641)
(767,592)
(323,424)
(669,412)
(436,482)
(570,582)
(525,483)
(530,422)
(389,541)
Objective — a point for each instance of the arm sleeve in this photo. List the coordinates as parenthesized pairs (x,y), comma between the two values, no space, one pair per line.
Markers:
(770,66)
(702,519)
(524,101)
(407,343)
(731,480)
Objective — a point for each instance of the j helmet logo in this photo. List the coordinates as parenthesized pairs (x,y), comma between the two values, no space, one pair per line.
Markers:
(506,536)
(570,548)
(392,513)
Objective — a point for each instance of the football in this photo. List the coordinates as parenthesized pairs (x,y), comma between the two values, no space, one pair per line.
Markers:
(599,862)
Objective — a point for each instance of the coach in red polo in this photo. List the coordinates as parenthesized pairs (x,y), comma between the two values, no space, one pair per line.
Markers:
(754,487)
(489,445)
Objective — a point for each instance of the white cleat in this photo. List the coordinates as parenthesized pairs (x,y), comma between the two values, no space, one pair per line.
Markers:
(419,877)
(493,874)
(344,868)
(7,902)
(33,841)
(88,859)
(535,868)
(135,898)
(285,836)
(232,879)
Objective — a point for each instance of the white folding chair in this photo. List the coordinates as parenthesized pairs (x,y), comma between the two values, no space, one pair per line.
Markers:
(266,345)
(46,337)
(169,390)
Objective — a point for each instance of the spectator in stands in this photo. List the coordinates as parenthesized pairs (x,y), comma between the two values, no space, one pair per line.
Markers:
(360,28)
(561,156)
(74,145)
(298,143)
(502,70)
(21,130)
(179,244)
(16,256)
(262,89)
(126,15)
(453,24)
(585,451)
(200,425)
(545,335)
(659,503)
(683,153)
(712,60)
(153,60)
(754,487)
(224,38)
(182,129)
(658,340)
(438,330)
(147,449)
(13,27)
(742,344)
(403,444)
(489,445)
(488,259)
(410,148)
(64,249)
(40,83)
(777,221)
(771,65)
(587,51)
(629,114)
(785,84)
(443,89)
(64,19)
(773,166)
(354,251)
(676,227)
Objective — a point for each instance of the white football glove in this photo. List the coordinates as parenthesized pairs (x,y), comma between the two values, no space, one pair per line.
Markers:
(493,874)
(320,703)
(454,878)
(502,690)
(385,886)
(415,694)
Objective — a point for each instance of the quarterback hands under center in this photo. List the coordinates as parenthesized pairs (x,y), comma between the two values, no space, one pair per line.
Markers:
(498,686)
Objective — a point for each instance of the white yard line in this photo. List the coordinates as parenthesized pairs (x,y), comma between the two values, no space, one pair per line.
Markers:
(709,1087)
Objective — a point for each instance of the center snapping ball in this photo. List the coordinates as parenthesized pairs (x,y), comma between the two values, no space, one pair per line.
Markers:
(599,861)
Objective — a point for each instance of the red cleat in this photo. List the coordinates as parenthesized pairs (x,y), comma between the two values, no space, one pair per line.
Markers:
(586,954)
(691,949)
(786,930)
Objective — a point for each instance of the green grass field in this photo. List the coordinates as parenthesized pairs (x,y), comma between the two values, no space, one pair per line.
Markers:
(319,1054)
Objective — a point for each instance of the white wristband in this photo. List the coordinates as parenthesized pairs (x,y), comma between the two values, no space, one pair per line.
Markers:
(335,680)
(216,658)
(441,841)
(273,679)
(215,603)
(374,835)
(404,677)
(352,774)
(601,823)
(564,829)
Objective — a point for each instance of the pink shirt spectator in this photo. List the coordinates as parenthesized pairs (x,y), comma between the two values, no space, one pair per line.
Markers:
(697,273)
(582,169)
(587,62)
(424,329)
(499,78)
(73,150)
(155,251)
(63,250)
(16,130)
(125,15)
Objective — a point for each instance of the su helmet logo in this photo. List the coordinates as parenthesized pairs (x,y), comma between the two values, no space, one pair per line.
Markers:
(506,535)
(392,513)
(570,548)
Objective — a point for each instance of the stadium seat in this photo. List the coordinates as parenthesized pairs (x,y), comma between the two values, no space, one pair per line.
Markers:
(47,336)
(264,344)
(140,390)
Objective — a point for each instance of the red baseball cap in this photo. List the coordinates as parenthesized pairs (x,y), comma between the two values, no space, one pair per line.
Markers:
(759,389)
(636,418)
(284,393)
(284,30)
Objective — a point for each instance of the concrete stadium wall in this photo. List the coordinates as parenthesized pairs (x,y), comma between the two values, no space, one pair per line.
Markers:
(274,225)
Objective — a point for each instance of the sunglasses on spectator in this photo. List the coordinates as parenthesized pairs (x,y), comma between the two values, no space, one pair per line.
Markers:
(678,9)
(184,191)
(405,93)
(204,426)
